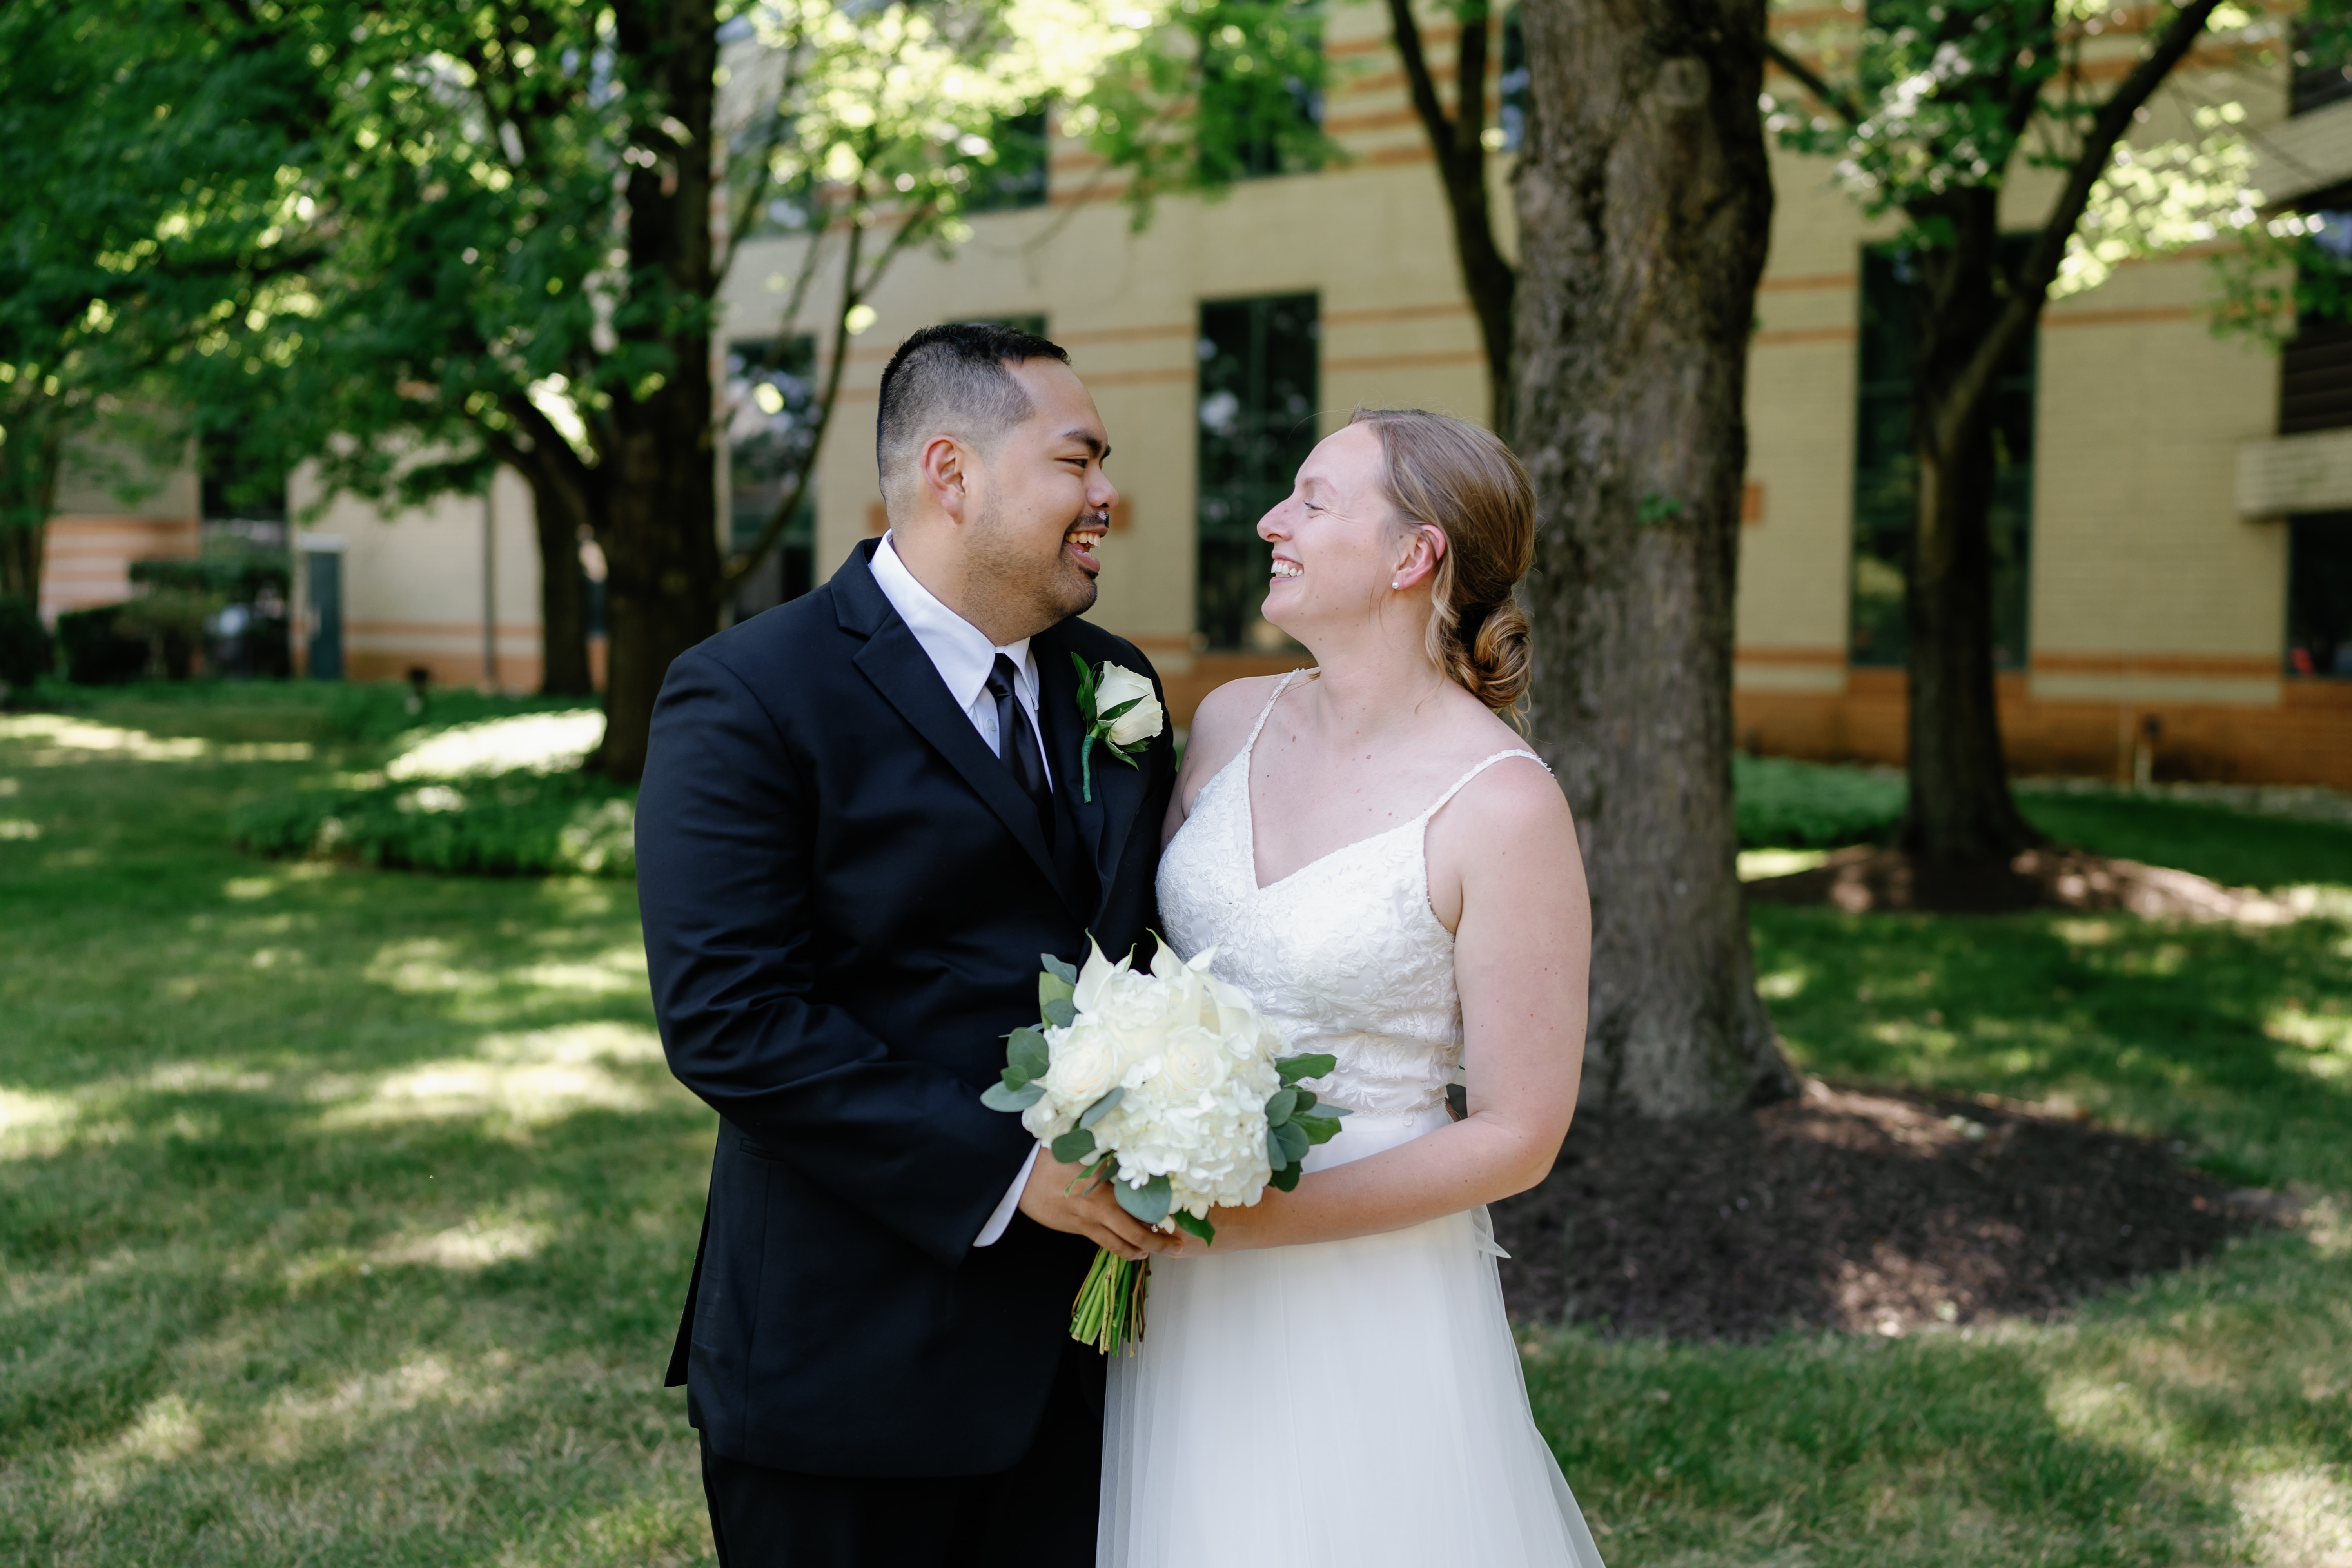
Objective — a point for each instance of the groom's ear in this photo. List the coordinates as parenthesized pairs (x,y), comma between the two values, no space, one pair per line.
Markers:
(945,469)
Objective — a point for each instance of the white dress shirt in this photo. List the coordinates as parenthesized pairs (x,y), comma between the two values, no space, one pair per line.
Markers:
(965,659)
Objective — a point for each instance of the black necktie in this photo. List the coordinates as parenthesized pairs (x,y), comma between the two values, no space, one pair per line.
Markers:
(1016,743)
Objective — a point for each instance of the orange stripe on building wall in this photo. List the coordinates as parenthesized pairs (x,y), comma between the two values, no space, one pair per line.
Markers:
(1394,313)
(1138,377)
(1803,335)
(1816,656)
(2120,317)
(2215,665)
(1125,334)
(1403,361)
(435,629)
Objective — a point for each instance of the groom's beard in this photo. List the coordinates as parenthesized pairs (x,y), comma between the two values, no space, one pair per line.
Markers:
(1028,582)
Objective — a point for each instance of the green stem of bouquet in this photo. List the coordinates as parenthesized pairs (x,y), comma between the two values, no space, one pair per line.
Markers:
(1108,1313)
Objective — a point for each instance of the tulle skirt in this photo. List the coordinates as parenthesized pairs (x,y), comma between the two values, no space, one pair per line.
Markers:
(1348,1405)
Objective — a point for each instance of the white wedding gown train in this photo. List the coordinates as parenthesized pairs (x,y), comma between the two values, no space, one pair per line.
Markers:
(1350,1403)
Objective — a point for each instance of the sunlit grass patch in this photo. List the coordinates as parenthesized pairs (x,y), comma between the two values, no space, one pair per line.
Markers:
(243,1331)
(345,1218)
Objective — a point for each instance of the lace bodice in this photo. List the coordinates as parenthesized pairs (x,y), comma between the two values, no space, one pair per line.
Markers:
(1343,955)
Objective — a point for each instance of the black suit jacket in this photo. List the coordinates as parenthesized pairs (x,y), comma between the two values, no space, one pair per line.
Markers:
(845,895)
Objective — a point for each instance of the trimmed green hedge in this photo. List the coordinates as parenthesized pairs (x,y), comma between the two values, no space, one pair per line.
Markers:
(1786,805)
(520,824)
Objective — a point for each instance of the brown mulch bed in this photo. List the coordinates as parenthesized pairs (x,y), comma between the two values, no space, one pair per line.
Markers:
(2053,878)
(1853,1208)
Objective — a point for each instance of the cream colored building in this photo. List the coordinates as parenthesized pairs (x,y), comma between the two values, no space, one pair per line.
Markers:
(2154,549)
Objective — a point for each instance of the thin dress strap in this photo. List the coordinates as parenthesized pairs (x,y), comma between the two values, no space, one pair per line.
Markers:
(1266,712)
(1474,772)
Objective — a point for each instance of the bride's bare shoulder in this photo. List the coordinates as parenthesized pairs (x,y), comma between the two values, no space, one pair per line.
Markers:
(1221,727)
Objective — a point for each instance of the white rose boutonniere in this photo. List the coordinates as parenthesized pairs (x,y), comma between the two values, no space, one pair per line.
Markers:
(1120,710)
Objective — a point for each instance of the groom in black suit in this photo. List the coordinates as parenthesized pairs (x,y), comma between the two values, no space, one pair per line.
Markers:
(862,822)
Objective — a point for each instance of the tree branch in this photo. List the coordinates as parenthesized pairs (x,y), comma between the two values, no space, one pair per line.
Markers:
(2030,287)
(559,457)
(1470,84)
(2025,97)
(1407,32)
(1847,108)
(746,560)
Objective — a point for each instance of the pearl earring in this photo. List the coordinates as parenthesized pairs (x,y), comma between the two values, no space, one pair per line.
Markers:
(1396,582)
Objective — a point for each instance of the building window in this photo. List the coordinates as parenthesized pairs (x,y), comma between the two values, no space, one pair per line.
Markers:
(1885,481)
(2320,595)
(1017,178)
(2321,76)
(1258,391)
(771,398)
(2316,365)
(1511,112)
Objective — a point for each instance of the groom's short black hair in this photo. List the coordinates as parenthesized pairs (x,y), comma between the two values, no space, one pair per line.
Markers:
(953,378)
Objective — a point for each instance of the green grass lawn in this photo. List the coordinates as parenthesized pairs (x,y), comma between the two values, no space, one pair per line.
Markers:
(343,1213)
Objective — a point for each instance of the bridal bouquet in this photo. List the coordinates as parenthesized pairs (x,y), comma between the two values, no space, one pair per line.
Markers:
(1169,1087)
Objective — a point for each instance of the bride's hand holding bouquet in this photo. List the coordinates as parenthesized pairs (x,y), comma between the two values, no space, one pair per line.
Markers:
(1170,1086)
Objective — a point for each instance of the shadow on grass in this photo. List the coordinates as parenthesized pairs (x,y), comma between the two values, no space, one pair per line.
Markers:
(2236,1041)
(343,1215)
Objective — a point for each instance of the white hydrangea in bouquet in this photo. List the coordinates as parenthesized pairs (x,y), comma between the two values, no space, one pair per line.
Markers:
(1169,1085)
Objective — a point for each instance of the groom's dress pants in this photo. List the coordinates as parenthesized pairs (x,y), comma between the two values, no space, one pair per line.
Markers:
(1038,1514)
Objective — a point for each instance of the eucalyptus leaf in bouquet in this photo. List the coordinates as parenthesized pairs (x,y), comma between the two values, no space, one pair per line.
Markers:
(1169,1085)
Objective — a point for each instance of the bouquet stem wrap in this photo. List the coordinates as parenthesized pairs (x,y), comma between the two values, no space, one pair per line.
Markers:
(1108,1313)
(1171,1087)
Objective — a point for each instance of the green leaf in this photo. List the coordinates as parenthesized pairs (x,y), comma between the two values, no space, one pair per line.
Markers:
(1285,1180)
(1059,1013)
(1319,1128)
(1200,1228)
(1280,1104)
(1293,1068)
(1074,1145)
(1085,683)
(1060,969)
(1026,1052)
(1102,1108)
(1052,987)
(1294,1140)
(1306,1100)
(1109,714)
(1275,1154)
(1148,1202)
(1004,1097)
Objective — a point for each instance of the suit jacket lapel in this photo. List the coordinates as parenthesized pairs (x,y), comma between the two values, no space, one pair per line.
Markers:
(1118,790)
(903,673)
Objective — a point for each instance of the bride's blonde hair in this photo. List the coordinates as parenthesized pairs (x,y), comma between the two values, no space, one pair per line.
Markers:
(1441,473)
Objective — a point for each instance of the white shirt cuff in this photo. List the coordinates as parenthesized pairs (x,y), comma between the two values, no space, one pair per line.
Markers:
(1008,1206)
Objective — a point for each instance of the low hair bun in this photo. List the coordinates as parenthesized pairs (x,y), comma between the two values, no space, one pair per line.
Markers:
(1461,481)
(1498,664)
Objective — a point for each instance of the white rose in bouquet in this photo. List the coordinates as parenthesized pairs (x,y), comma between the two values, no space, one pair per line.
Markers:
(1171,1086)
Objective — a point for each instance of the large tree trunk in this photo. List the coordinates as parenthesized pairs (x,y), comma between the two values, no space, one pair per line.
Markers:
(1960,810)
(30,459)
(660,524)
(560,512)
(1644,206)
(21,550)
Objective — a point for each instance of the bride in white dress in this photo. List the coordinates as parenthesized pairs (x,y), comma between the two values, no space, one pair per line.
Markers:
(1379,860)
